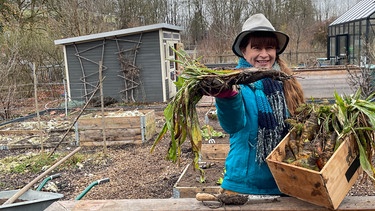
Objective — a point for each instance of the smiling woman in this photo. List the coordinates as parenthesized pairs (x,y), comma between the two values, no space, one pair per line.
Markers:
(255,116)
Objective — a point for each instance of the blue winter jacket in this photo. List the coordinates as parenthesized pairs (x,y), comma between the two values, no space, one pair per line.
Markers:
(238,116)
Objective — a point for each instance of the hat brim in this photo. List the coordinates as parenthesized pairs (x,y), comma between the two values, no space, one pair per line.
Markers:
(282,38)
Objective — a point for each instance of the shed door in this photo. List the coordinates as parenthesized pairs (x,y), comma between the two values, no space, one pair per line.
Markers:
(171,68)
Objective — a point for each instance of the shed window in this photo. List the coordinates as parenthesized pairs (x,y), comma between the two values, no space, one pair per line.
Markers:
(176,36)
(167,35)
(173,75)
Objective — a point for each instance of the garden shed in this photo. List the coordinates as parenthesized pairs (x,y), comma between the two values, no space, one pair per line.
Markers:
(349,33)
(135,63)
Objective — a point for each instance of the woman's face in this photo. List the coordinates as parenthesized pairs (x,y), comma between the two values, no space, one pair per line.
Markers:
(260,52)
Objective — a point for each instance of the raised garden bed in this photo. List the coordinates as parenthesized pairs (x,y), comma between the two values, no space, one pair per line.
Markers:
(25,134)
(121,127)
(188,185)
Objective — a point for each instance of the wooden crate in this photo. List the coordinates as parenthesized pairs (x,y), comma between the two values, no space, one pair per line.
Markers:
(327,187)
(190,191)
(119,129)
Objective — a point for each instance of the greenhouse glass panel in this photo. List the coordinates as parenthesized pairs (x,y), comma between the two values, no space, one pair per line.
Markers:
(332,47)
(351,28)
(351,50)
(364,24)
(357,49)
(346,30)
(330,31)
(357,28)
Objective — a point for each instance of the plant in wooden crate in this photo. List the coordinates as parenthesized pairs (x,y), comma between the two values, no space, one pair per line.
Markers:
(319,129)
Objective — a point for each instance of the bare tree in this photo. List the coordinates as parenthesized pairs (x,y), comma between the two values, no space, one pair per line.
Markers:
(364,79)
(81,17)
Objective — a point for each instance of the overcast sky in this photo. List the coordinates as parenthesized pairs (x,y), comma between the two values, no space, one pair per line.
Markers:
(333,8)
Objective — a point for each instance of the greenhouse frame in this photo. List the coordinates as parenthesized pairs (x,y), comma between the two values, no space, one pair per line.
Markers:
(349,34)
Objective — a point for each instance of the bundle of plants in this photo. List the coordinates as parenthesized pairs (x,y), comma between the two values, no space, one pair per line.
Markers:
(319,129)
(196,80)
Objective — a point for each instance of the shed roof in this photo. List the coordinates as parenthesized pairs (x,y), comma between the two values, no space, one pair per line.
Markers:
(127,31)
(359,11)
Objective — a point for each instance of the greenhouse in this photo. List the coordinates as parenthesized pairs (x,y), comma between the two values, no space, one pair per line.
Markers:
(349,34)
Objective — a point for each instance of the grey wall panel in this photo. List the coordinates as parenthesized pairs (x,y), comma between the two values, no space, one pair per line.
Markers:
(147,59)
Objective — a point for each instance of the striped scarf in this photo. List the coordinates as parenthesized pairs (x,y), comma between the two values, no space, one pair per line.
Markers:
(272,112)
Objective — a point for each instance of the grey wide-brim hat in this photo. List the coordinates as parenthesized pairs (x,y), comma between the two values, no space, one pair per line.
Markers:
(259,23)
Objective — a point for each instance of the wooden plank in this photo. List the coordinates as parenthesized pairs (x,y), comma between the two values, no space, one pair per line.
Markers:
(110,143)
(111,123)
(190,192)
(20,132)
(113,131)
(336,169)
(93,135)
(111,138)
(35,146)
(350,203)
(150,128)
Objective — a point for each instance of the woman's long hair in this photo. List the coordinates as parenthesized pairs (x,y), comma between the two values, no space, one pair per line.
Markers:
(292,89)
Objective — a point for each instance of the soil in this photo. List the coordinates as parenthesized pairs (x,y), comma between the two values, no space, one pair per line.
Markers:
(133,171)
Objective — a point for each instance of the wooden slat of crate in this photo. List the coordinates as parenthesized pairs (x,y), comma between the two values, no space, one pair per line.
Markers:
(327,187)
(343,169)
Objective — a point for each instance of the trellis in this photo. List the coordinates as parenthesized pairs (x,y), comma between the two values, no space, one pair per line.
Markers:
(84,77)
(129,71)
